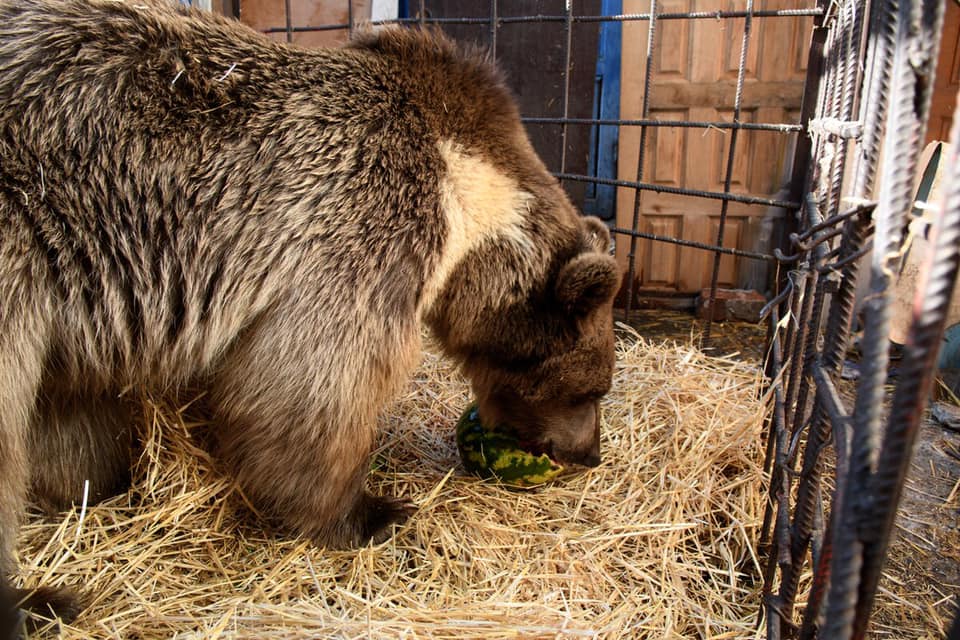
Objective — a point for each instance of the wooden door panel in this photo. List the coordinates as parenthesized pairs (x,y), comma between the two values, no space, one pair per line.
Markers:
(733,43)
(694,262)
(268,14)
(784,43)
(669,147)
(727,277)
(947,81)
(662,260)
(699,156)
(672,43)
(695,73)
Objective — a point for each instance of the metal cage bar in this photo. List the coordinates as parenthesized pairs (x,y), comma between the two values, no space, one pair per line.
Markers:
(567,71)
(624,17)
(751,126)
(845,550)
(859,550)
(728,178)
(641,154)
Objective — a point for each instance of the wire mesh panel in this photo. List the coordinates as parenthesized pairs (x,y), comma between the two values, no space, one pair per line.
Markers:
(759,163)
(688,162)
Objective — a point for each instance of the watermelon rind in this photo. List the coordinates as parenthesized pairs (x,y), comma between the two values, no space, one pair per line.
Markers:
(495,453)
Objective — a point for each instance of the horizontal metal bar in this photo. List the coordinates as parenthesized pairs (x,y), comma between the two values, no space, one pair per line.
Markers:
(865,207)
(846,129)
(659,188)
(623,17)
(323,27)
(626,17)
(751,126)
(840,264)
(695,245)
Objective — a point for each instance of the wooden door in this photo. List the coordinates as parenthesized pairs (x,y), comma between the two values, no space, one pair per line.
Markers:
(694,78)
(947,81)
(264,15)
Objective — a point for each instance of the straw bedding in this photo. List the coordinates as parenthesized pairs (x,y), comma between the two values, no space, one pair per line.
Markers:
(656,542)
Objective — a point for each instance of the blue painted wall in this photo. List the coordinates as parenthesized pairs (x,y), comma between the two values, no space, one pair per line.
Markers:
(601,199)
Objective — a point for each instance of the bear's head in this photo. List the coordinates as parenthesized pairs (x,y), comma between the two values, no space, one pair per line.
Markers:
(539,354)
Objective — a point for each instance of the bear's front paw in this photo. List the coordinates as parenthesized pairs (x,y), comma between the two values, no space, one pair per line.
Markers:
(379,512)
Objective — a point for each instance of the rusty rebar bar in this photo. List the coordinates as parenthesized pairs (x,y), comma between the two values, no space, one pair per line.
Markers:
(641,153)
(854,562)
(705,341)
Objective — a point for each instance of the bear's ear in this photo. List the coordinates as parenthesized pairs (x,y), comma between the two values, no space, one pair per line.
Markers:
(595,234)
(586,282)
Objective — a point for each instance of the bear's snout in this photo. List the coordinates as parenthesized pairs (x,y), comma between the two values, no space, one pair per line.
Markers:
(578,440)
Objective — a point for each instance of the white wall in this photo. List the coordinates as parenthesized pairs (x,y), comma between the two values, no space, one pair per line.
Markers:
(383,10)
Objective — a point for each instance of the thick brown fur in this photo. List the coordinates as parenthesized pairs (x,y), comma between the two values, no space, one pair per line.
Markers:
(184,202)
(11,618)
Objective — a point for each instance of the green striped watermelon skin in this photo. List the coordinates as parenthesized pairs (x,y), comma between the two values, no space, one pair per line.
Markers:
(495,453)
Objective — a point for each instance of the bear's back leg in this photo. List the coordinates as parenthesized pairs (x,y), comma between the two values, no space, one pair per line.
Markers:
(77,439)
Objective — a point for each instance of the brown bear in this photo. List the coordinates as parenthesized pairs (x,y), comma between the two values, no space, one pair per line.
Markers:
(185,203)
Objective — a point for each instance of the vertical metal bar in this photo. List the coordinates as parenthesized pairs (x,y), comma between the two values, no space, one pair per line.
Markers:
(847,60)
(809,351)
(775,367)
(779,487)
(822,84)
(835,342)
(821,577)
(644,115)
(930,306)
(289,18)
(728,179)
(423,14)
(793,339)
(802,165)
(827,185)
(873,108)
(914,60)
(567,69)
(349,18)
(797,347)
(841,309)
(840,318)
(913,389)
(494,19)
(806,501)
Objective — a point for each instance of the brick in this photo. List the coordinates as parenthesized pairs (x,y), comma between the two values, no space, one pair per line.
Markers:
(732,304)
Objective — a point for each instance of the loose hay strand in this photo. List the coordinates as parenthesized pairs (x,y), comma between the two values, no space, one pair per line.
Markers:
(656,542)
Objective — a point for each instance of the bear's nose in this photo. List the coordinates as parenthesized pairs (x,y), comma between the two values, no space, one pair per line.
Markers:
(592,459)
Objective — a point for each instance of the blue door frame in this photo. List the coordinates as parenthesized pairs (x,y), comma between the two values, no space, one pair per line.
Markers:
(601,199)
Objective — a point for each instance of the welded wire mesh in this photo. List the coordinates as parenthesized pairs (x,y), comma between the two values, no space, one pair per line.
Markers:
(841,534)
(836,469)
